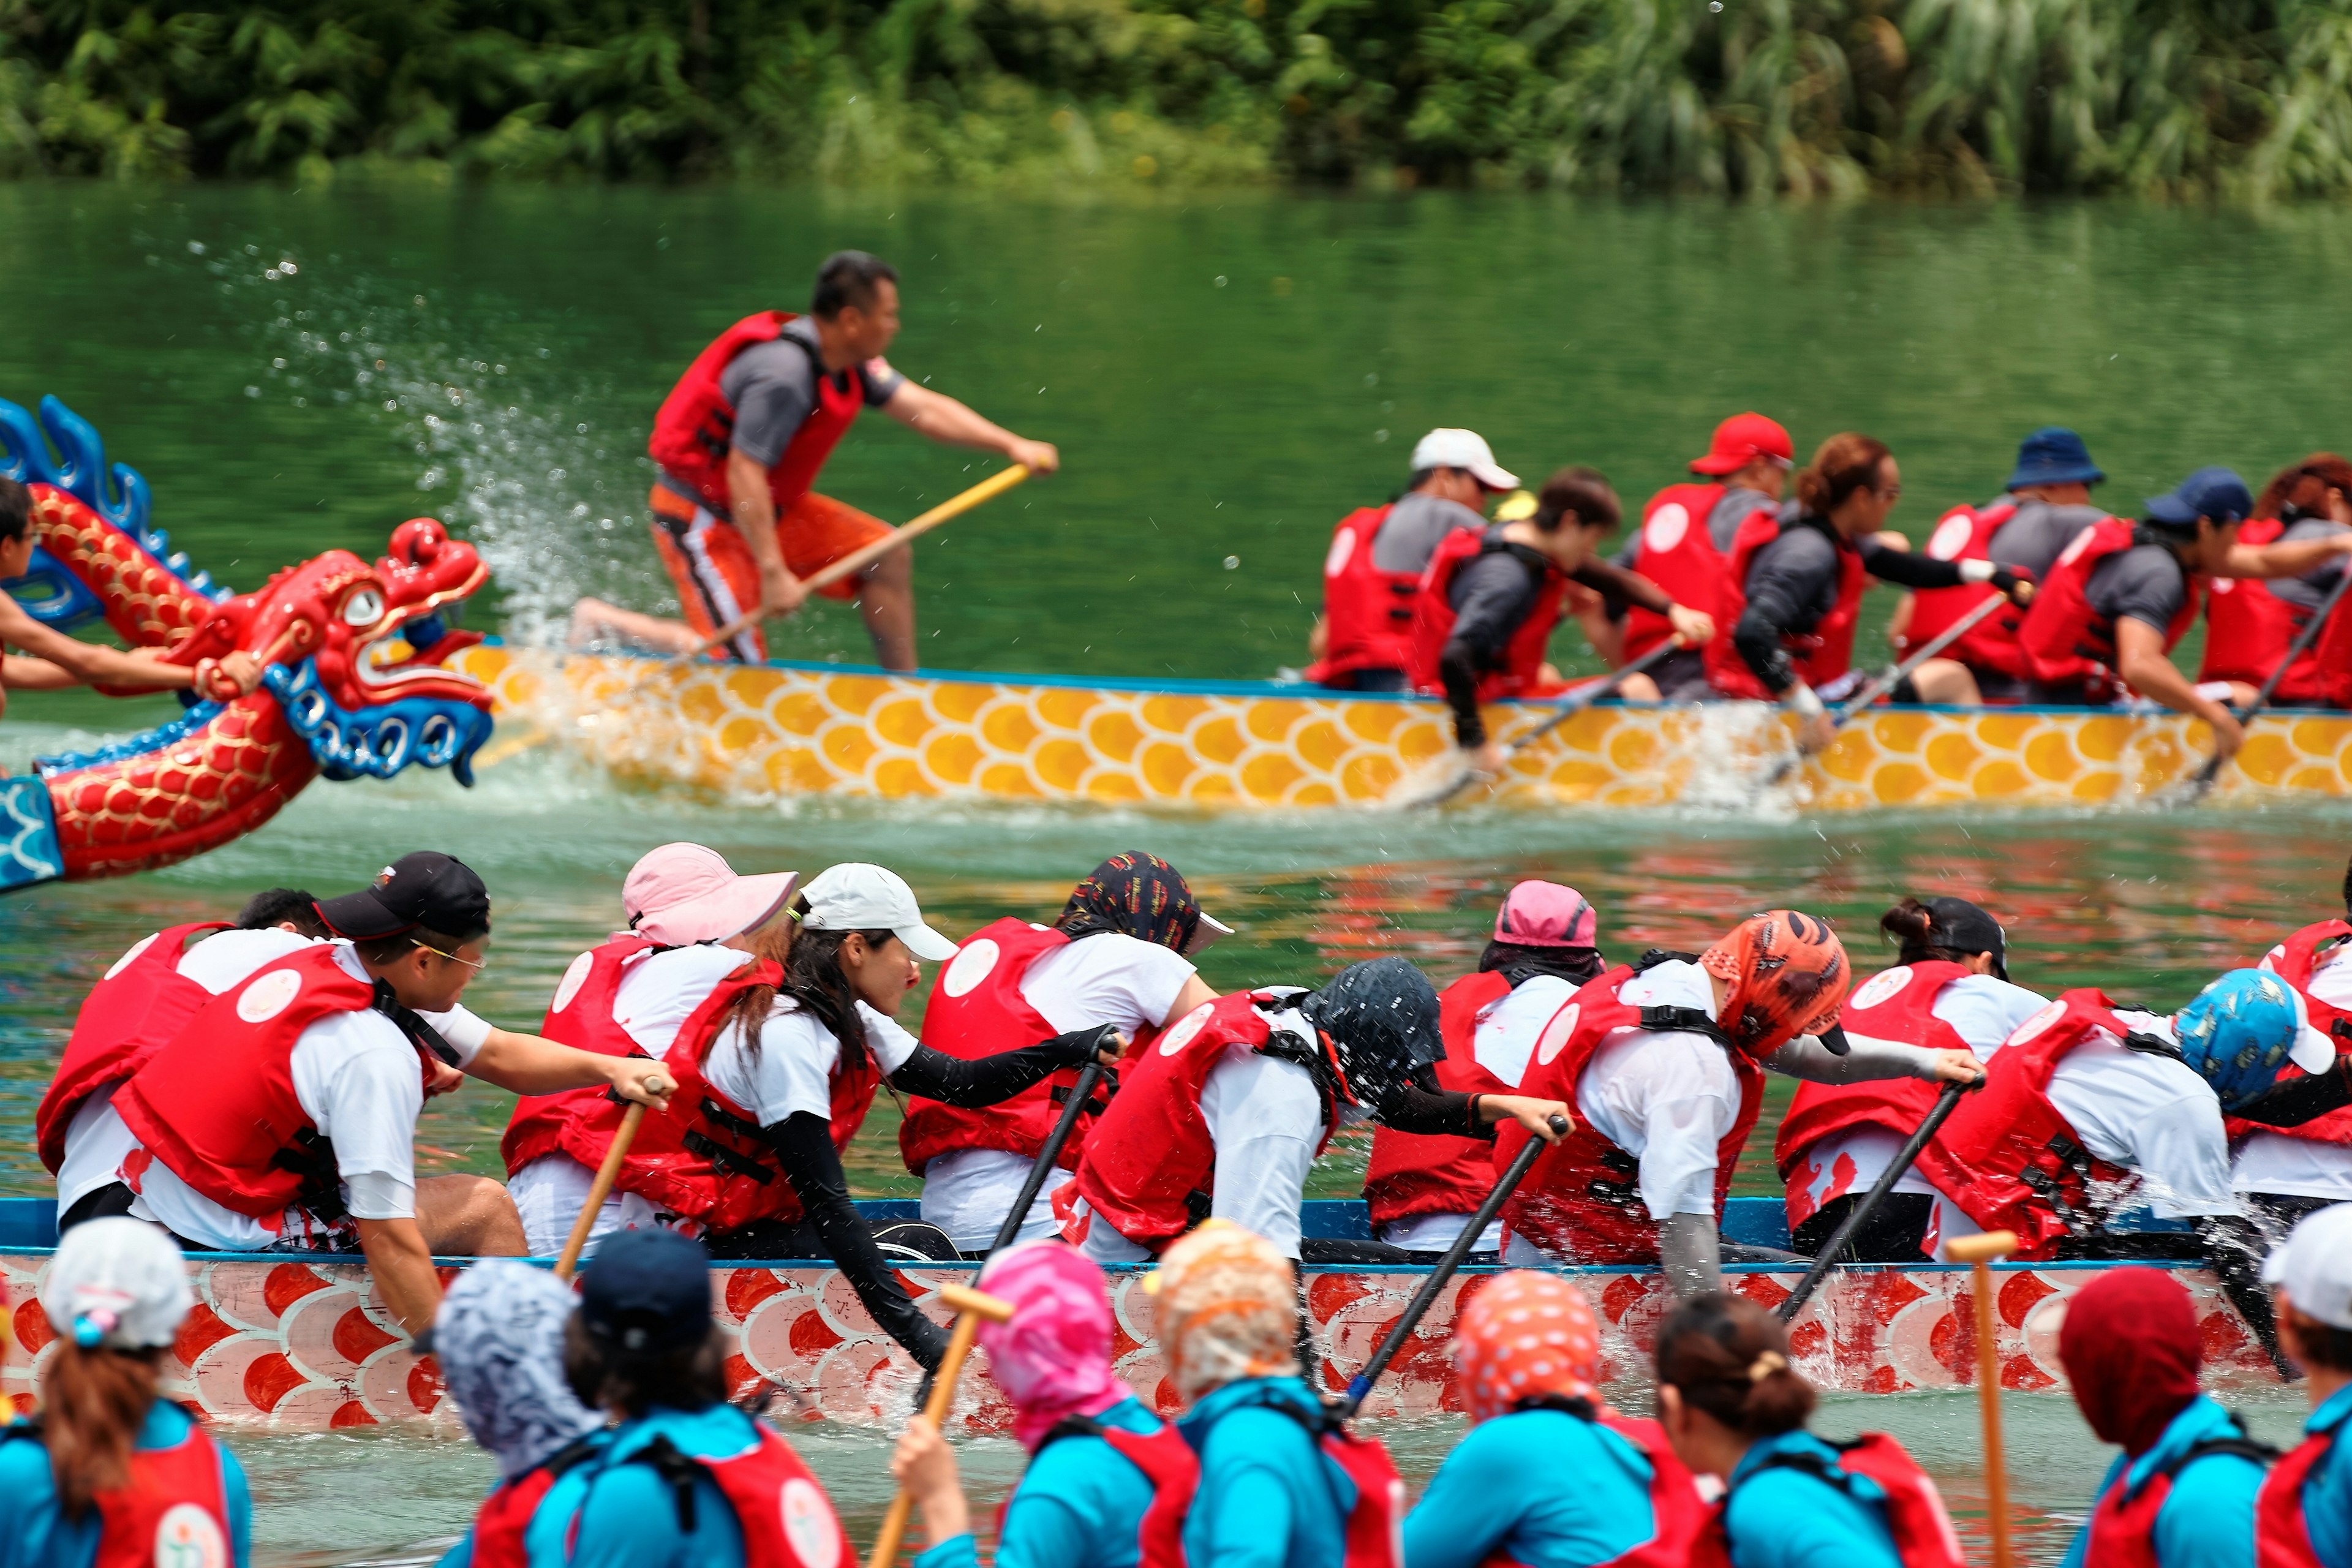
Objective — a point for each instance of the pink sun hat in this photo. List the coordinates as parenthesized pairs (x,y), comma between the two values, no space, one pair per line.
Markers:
(1544,914)
(684,893)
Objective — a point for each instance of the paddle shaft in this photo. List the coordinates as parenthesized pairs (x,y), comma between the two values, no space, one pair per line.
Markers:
(599,1189)
(865,556)
(1360,1387)
(1088,1079)
(1989,1401)
(1567,708)
(2303,639)
(935,1411)
(1885,681)
(1861,1211)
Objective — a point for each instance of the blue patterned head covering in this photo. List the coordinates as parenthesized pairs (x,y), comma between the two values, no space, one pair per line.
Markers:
(2243,1029)
(499,1338)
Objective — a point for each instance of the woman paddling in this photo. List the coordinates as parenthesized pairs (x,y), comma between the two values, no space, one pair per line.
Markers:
(2249,624)
(1948,990)
(110,1471)
(1547,1474)
(1734,1408)
(1107,1483)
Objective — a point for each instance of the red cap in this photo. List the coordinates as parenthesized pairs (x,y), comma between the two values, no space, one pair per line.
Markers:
(1740,440)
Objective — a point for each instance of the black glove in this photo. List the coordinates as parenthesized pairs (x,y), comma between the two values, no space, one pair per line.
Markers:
(1080,1047)
(2019,589)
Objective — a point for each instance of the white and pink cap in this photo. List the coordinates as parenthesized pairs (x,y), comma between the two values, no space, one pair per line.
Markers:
(1544,914)
(684,893)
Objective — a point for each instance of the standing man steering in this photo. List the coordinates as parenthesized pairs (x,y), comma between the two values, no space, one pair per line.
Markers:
(740,440)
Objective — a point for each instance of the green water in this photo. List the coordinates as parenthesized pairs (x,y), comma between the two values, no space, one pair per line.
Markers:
(1225,378)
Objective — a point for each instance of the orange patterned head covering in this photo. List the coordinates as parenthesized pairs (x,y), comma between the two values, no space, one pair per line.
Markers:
(1226,1302)
(1787,973)
(1525,1335)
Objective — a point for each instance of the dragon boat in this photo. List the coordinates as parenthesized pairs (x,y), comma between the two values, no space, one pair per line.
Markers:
(302,1342)
(355,681)
(829,729)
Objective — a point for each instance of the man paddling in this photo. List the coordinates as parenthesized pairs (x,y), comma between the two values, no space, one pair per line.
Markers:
(740,441)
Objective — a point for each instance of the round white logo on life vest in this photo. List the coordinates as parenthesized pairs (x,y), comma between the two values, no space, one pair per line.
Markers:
(809,1525)
(1951,536)
(2036,1024)
(1879,987)
(267,996)
(188,1537)
(1190,1024)
(1554,1039)
(1343,550)
(2221,586)
(128,959)
(575,977)
(1666,527)
(969,967)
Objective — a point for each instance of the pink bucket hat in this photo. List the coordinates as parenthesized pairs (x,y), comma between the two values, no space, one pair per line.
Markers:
(1544,914)
(683,893)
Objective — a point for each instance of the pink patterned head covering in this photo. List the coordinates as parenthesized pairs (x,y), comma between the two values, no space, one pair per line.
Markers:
(1052,1356)
(1525,1334)
(1227,1307)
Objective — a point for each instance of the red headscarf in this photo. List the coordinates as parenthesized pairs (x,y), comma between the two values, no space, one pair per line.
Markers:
(1525,1334)
(1787,973)
(2130,1346)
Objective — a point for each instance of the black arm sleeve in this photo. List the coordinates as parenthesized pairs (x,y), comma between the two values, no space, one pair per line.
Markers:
(1620,586)
(2298,1099)
(1436,1113)
(935,1075)
(2235,1249)
(1457,667)
(1905,569)
(803,1146)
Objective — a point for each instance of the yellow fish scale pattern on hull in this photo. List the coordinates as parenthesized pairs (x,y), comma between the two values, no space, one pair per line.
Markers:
(802,730)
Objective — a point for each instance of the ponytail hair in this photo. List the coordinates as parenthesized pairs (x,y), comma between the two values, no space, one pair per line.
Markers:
(93,1403)
(1911,925)
(2301,492)
(1729,1357)
(1582,493)
(1845,463)
(812,979)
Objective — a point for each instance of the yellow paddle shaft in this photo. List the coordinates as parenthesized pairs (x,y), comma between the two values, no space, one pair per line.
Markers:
(971,1307)
(602,1188)
(1979,1251)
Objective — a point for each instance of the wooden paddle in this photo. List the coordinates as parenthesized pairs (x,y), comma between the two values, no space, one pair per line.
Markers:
(1827,1258)
(1359,1386)
(1887,680)
(971,1307)
(1979,1251)
(1567,708)
(2194,791)
(599,1189)
(865,556)
(1071,1109)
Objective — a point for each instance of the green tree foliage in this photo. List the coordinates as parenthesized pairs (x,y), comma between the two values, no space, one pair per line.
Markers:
(2243,98)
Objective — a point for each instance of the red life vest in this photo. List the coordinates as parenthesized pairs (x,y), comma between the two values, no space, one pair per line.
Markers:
(2067,642)
(579,1016)
(174,1508)
(706,1161)
(988,1016)
(1414,1173)
(2249,629)
(1167,1461)
(1923,1532)
(137,1005)
(2123,1528)
(504,1518)
(1152,1149)
(1895,1004)
(1582,1199)
(217,1105)
(2007,1157)
(2282,1539)
(1965,533)
(2334,658)
(2293,962)
(1683,1528)
(1375,1525)
(786,1518)
(695,429)
(1433,617)
(1367,612)
(1675,551)
(1818,657)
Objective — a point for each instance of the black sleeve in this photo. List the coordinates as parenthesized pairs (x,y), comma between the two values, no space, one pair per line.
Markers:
(1788,582)
(1623,587)
(2299,1100)
(1436,1113)
(1457,667)
(935,1075)
(1906,569)
(2234,1248)
(803,1146)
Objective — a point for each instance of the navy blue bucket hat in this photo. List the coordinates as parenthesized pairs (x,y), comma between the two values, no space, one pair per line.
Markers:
(2217,493)
(2054,455)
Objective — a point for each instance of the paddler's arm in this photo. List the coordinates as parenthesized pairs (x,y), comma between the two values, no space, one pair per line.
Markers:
(58,661)
(945,420)
(2285,557)
(990,1079)
(2295,1101)
(402,1267)
(529,1064)
(1446,1113)
(925,1468)
(1621,586)
(1690,1253)
(2140,660)
(1867,1058)
(803,1147)
(753,507)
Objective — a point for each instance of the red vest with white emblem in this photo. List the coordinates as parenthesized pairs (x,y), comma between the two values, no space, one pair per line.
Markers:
(1582,1199)
(977,1010)
(1683,1532)
(2282,1539)
(786,1518)
(174,1510)
(1914,1514)
(1965,533)
(2248,630)
(2293,962)
(1818,656)
(2122,1526)
(2006,1156)
(1433,617)
(217,1104)
(695,429)
(580,1017)
(1367,612)
(1167,1461)
(1373,1531)
(1414,1173)
(2066,641)
(135,1007)
(1674,551)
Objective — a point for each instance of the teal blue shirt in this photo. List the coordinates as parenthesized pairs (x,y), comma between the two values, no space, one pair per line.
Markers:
(2328,1489)
(1781,1517)
(36,1533)
(2208,1520)
(1268,1498)
(627,1514)
(1079,1505)
(1541,1486)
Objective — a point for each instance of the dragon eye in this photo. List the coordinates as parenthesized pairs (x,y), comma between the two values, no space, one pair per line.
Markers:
(364,608)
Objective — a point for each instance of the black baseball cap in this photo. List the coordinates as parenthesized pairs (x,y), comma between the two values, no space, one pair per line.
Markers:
(425,891)
(1963,927)
(647,1292)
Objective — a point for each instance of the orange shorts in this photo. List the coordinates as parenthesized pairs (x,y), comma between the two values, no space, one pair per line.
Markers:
(717,578)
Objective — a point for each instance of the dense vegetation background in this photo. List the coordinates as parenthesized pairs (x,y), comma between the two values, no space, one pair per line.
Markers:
(2243,98)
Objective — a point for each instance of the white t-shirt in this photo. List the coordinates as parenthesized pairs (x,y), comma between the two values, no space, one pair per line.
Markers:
(2152,1114)
(660,991)
(2271,1162)
(1667,1098)
(792,1069)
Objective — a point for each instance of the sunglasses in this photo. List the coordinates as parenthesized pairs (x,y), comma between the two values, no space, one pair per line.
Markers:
(477,964)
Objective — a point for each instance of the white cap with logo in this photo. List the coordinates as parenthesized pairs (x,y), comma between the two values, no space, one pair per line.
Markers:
(1465,449)
(2314,1266)
(855,896)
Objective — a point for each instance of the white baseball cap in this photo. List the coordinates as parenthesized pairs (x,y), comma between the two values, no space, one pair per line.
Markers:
(1465,449)
(119,1283)
(2314,1266)
(855,896)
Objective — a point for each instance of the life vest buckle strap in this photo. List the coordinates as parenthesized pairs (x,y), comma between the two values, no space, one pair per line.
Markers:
(719,1116)
(726,1159)
(680,1470)
(1683,1020)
